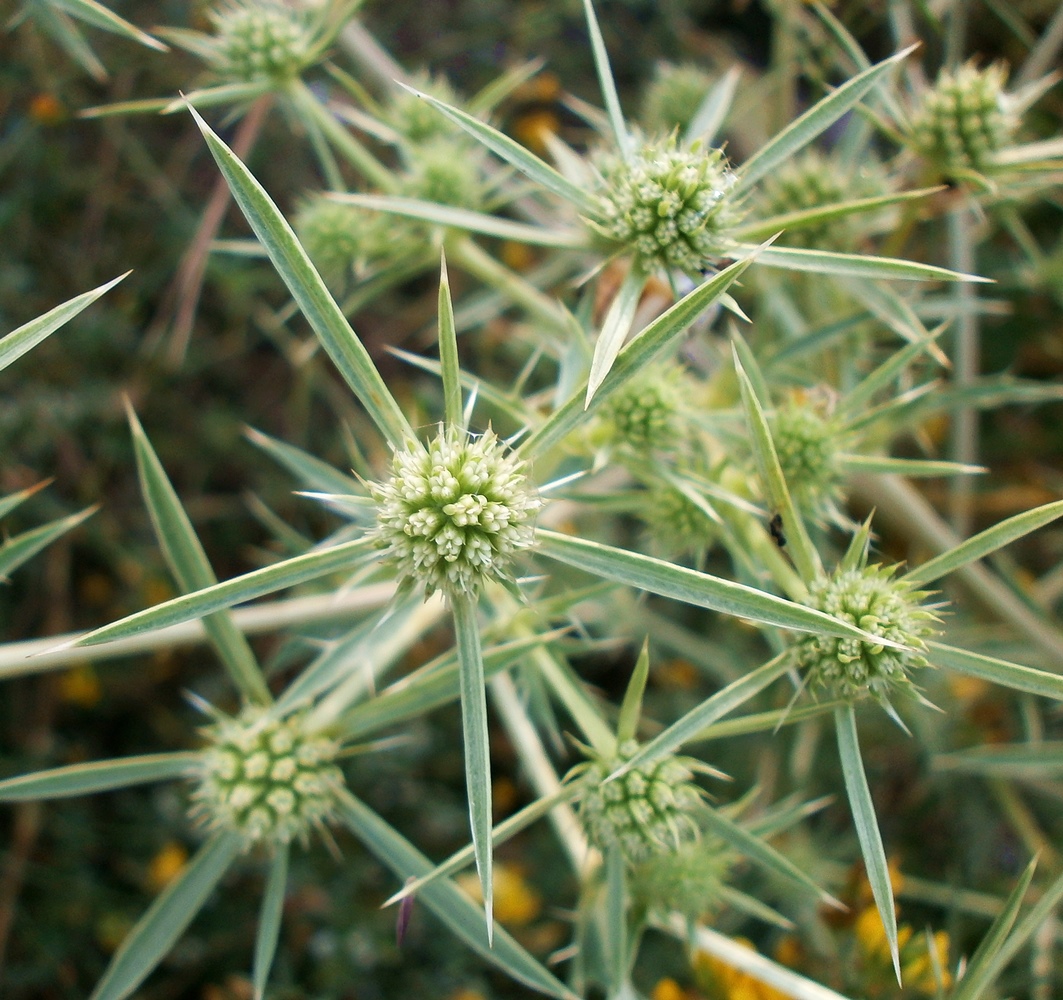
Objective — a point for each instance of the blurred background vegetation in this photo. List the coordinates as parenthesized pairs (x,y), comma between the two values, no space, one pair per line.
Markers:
(82,200)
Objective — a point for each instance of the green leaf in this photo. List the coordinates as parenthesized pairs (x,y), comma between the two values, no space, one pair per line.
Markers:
(269,919)
(450,368)
(502,832)
(606,82)
(477,739)
(516,155)
(19,341)
(713,111)
(15,551)
(984,543)
(166,919)
(692,725)
(803,552)
(863,393)
(856,265)
(878,874)
(291,572)
(1032,761)
(224,95)
(627,723)
(457,912)
(13,500)
(190,566)
(615,327)
(64,31)
(436,685)
(985,964)
(311,472)
(653,342)
(99,16)
(813,122)
(987,668)
(467,220)
(309,291)
(795,221)
(761,852)
(97,776)
(906,466)
(691,587)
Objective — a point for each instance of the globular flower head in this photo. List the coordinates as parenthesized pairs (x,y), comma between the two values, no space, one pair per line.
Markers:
(453,515)
(963,119)
(644,812)
(646,415)
(807,442)
(267,778)
(414,118)
(673,97)
(336,237)
(669,206)
(445,170)
(676,523)
(814,180)
(869,597)
(689,881)
(257,40)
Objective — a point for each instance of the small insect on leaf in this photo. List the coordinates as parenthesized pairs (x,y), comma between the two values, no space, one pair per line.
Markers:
(776,532)
(405,912)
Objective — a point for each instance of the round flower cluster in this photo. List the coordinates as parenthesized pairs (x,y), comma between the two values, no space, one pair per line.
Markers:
(963,119)
(674,96)
(869,598)
(259,40)
(643,812)
(677,524)
(413,117)
(689,881)
(436,173)
(812,180)
(453,515)
(266,778)
(336,237)
(646,415)
(670,206)
(806,443)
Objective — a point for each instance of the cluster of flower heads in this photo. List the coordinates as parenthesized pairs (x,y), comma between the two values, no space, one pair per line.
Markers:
(669,205)
(266,778)
(645,811)
(260,40)
(453,515)
(872,599)
(963,119)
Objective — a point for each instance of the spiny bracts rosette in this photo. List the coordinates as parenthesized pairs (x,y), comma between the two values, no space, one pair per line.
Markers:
(453,515)
(870,598)
(646,811)
(267,778)
(670,206)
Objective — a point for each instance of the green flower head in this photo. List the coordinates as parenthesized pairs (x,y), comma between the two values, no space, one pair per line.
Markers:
(266,778)
(647,414)
(807,442)
(871,598)
(668,205)
(690,880)
(453,515)
(674,96)
(260,40)
(963,119)
(644,812)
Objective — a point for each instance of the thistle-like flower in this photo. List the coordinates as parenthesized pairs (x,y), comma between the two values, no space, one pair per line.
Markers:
(645,811)
(453,515)
(669,205)
(869,597)
(260,40)
(964,119)
(646,415)
(266,778)
(338,238)
(807,441)
(674,96)
(690,880)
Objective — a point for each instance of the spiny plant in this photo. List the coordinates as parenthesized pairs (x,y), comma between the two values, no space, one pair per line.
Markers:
(489,510)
